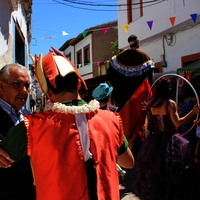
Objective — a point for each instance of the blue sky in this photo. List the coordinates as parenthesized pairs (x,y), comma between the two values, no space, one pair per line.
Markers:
(50,18)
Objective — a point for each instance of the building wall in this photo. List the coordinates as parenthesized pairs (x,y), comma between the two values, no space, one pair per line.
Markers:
(84,70)
(5,35)
(13,33)
(70,50)
(101,44)
(185,43)
(186,32)
(10,19)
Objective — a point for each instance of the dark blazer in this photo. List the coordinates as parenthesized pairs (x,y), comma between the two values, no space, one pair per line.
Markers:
(16,182)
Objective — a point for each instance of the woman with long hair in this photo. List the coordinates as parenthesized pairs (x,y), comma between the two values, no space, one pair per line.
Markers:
(164,166)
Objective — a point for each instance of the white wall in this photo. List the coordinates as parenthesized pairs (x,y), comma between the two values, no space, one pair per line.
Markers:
(186,42)
(4,27)
(7,32)
(19,16)
(151,41)
(160,14)
(70,49)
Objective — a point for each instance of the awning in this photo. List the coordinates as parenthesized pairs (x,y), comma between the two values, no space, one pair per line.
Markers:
(190,70)
(194,68)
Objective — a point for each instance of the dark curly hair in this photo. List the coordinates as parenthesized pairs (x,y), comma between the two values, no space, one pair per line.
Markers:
(67,83)
(162,88)
(161,92)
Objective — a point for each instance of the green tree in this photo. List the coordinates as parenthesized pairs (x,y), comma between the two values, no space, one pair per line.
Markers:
(114,46)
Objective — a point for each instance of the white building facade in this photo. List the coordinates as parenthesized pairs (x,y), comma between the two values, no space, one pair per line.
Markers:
(89,53)
(169,30)
(15,17)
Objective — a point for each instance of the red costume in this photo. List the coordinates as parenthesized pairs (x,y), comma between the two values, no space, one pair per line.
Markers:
(57,156)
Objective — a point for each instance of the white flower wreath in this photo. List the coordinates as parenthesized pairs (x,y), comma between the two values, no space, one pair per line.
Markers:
(62,108)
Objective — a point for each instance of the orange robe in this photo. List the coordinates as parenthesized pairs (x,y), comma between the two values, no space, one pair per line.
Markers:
(57,157)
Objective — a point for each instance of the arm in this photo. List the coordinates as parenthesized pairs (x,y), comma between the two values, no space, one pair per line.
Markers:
(175,116)
(126,159)
(15,142)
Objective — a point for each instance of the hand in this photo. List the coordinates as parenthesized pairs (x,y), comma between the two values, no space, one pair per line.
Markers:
(196,109)
(5,160)
(144,105)
(196,122)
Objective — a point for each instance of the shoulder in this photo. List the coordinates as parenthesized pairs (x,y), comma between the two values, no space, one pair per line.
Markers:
(171,102)
(139,51)
(111,107)
(107,116)
(172,105)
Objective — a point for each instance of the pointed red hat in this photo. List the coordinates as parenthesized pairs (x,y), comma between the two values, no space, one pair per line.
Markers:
(51,65)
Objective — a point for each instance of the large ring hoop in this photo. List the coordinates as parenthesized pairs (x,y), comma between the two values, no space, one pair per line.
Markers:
(179,76)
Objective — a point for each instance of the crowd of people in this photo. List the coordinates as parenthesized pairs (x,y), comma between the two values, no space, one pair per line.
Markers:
(71,148)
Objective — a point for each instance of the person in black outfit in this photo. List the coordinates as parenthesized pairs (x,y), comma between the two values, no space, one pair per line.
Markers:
(16,181)
(32,105)
(128,70)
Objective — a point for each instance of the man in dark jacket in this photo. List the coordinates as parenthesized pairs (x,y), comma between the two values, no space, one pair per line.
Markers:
(16,182)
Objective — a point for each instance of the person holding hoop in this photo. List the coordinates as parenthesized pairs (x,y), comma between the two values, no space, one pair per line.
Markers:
(164,164)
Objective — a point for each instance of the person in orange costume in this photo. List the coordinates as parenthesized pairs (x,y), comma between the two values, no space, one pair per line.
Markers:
(73,146)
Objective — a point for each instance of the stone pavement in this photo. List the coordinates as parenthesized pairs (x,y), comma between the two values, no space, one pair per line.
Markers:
(125,186)
(130,196)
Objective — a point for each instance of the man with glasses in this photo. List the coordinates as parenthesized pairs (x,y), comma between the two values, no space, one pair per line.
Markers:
(16,182)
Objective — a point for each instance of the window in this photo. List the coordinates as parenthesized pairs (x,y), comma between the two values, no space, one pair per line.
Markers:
(68,56)
(86,54)
(79,58)
(134,10)
(158,67)
(20,46)
(186,60)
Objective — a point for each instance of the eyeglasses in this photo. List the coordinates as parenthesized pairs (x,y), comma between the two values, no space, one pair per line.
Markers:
(19,84)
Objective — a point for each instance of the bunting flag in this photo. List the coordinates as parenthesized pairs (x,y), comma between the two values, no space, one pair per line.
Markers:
(125,27)
(133,117)
(98,63)
(150,24)
(194,17)
(84,33)
(105,30)
(64,33)
(48,37)
(172,20)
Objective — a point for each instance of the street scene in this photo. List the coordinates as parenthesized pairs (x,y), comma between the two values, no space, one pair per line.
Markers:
(99,100)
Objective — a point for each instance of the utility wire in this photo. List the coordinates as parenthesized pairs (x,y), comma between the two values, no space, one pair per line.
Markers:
(154,2)
(97,4)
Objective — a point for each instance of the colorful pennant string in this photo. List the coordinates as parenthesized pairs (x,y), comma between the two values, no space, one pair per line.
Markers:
(171,19)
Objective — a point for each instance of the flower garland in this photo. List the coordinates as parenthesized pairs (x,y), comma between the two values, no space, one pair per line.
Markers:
(62,108)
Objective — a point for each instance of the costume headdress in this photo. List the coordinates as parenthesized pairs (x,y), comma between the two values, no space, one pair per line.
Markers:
(50,66)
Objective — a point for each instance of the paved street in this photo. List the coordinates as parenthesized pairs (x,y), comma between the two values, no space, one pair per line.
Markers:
(126,184)
(130,196)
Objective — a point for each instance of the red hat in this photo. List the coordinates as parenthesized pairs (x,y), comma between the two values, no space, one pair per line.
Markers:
(52,65)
